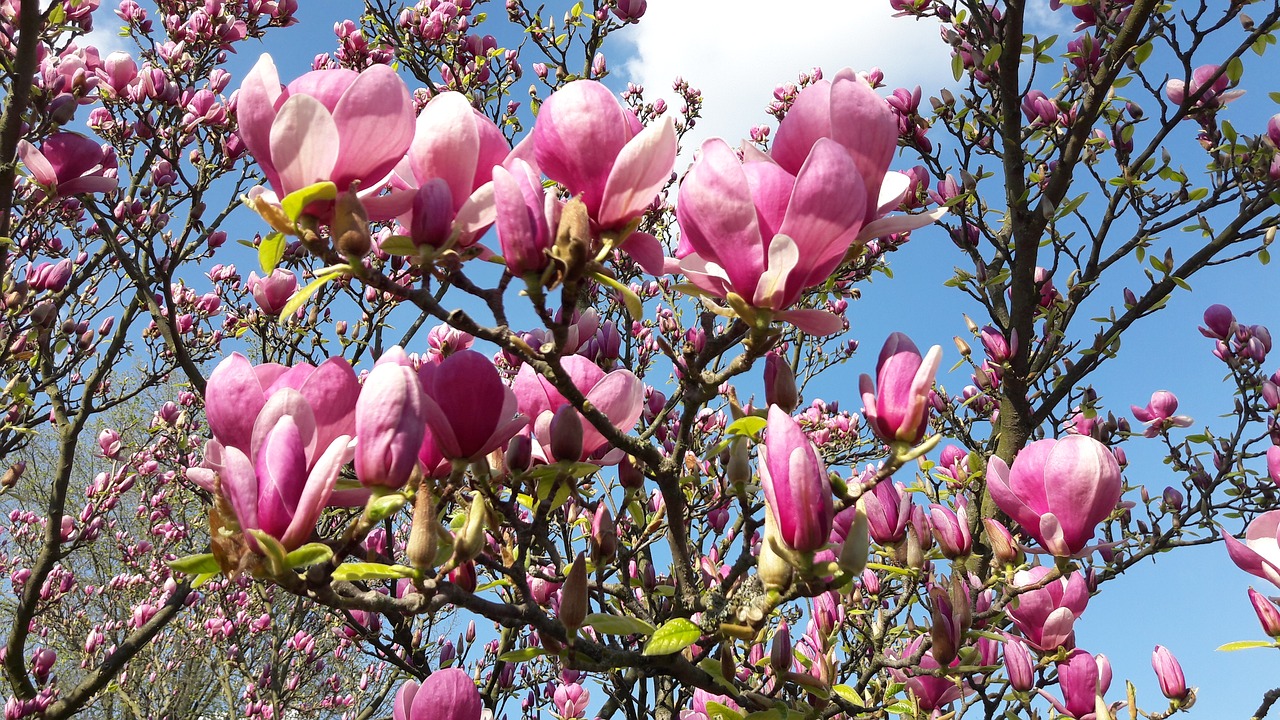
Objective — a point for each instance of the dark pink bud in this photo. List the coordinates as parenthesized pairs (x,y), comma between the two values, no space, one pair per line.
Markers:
(1219,322)
(1019,664)
(1268,613)
(896,405)
(566,434)
(1169,672)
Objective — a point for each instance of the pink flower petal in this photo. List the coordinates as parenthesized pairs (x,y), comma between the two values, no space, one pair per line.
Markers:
(304,143)
(642,168)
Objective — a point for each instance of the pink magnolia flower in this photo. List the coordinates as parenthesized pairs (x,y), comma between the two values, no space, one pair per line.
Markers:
(469,410)
(888,508)
(1259,554)
(618,394)
(49,276)
(929,691)
(447,694)
(332,125)
(1046,617)
(68,164)
(527,217)
(1273,129)
(797,490)
(272,292)
(1159,415)
(1268,613)
(1082,680)
(571,700)
(597,149)
(1058,490)
(449,166)
(238,393)
(1169,673)
(389,425)
(897,405)
(951,528)
(1018,664)
(1215,95)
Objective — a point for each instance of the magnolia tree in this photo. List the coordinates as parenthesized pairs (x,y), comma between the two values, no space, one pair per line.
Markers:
(510,416)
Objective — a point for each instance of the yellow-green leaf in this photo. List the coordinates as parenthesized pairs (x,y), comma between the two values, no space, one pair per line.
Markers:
(635,307)
(618,625)
(308,555)
(298,200)
(303,294)
(674,635)
(401,245)
(270,251)
(1245,645)
(371,571)
(195,564)
(521,655)
(749,426)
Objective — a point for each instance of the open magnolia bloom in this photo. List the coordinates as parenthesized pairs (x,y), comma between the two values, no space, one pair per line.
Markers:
(761,230)
(1259,554)
(335,125)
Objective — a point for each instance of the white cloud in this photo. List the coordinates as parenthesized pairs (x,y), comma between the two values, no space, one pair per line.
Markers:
(737,51)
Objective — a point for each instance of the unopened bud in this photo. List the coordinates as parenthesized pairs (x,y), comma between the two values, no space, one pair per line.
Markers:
(566,434)
(350,226)
(1268,613)
(780,383)
(780,656)
(857,544)
(464,576)
(629,476)
(604,533)
(774,570)
(470,541)
(573,596)
(738,470)
(1001,541)
(572,249)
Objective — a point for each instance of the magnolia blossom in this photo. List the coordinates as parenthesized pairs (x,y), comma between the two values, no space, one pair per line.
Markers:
(527,217)
(332,125)
(1215,94)
(447,694)
(770,226)
(797,490)
(1259,554)
(1046,616)
(1159,413)
(238,392)
(448,167)
(272,292)
(897,405)
(597,149)
(69,164)
(1058,490)
(618,394)
(469,411)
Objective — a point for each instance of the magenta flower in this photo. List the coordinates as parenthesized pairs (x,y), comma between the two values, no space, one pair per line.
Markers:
(1169,672)
(1259,554)
(49,276)
(1019,664)
(467,407)
(1273,129)
(1080,679)
(888,509)
(449,166)
(596,148)
(1219,322)
(1268,613)
(897,405)
(333,125)
(287,478)
(951,528)
(70,164)
(758,232)
(1047,616)
(272,292)
(797,490)
(389,425)
(238,392)
(571,700)
(930,692)
(618,394)
(1058,490)
(1159,415)
(1215,95)
(447,694)
(1273,463)
(527,218)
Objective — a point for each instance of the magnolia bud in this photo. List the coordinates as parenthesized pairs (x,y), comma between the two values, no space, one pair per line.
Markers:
(780,656)
(738,469)
(628,476)
(350,226)
(1001,541)
(470,541)
(604,533)
(774,570)
(780,383)
(519,454)
(566,434)
(857,544)
(464,576)
(573,596)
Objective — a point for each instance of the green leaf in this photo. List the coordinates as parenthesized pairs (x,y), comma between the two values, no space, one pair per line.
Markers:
(195,564)
(635,307)
(401,245)
(270,250)
(304,294)
(903,707)
(770,714)
(308,555)
(1143,52)
(749,426)
(202,578)
(618,625)
(272,548)
(957,66)
(849,694)
(381,508)
(347,572)
(674,635)
(992,55)
(1245,645)
(716,711)
(298,200)
(1235,69)
(522,655)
